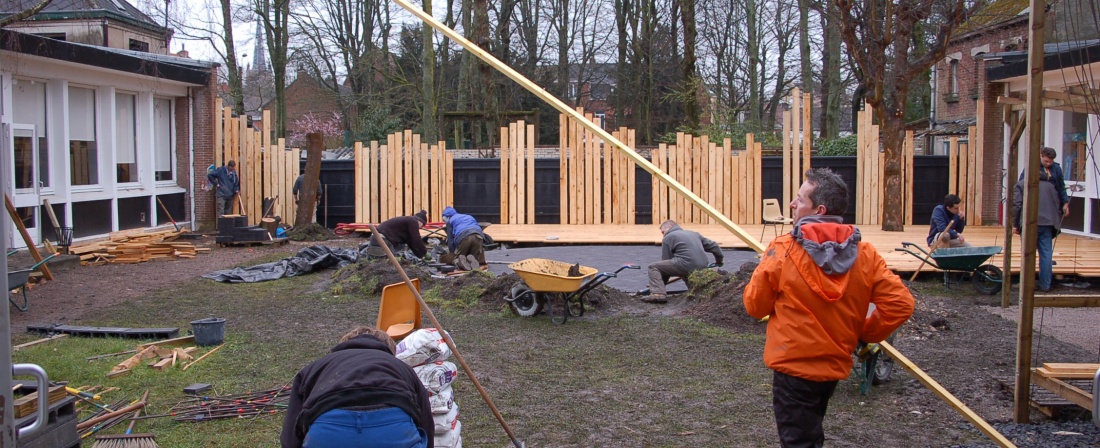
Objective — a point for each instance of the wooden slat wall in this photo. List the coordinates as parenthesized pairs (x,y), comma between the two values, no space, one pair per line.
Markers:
(596,182)
(517,173)
(402,177)
(868,171)
(265,170)
(728,182)
(907,171)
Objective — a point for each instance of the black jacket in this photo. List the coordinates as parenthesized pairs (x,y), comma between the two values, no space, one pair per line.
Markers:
(359,372)
(404,230)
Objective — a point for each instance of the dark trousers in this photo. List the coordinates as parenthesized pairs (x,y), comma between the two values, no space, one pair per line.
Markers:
(799,406)
(472,245)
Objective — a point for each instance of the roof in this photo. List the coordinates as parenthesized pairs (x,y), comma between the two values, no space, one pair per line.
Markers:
(1056,56)
(120,10)
(172,68)
(958,127)
(993,14)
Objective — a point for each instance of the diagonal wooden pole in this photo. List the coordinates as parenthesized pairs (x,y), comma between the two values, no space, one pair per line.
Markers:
(447,338)
(935,245)
(565,109)
(46,274)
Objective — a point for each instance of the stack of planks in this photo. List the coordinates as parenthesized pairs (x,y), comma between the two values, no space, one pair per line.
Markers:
(136,247)
(1071,381)
(28,404)
(167,353)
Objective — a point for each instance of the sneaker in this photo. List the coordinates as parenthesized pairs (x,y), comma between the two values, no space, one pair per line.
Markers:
(461,263)
(655,298)
(472,262)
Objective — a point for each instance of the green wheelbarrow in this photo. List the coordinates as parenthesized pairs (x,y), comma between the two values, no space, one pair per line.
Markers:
(987,278)
(18,279)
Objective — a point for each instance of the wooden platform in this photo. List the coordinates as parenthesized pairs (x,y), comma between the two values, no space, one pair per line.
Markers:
(1073,255)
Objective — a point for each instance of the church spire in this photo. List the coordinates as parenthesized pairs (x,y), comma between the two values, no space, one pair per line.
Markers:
(259,53)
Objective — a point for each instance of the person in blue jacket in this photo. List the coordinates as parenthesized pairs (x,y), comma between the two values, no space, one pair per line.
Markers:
(465,239)
(226,186)
(1053,208)
(944,214)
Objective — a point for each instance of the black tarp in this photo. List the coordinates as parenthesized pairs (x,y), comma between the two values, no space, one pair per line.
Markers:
(313,258)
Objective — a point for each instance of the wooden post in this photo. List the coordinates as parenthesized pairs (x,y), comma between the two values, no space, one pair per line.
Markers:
(1029,221)
(315,142)
(1016,124)
(27,238)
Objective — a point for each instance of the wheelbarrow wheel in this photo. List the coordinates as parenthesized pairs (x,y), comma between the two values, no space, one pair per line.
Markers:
(559,307)
(988,279)
(576,307)
(525,302)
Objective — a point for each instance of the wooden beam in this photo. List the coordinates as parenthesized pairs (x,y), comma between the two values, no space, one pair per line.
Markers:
(1065,390)
(1029,219)
(1066,301)
(39,341)
(563,108)
(1010,100)
(27,238)
(946,396)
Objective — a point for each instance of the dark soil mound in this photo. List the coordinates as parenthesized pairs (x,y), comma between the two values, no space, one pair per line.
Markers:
(721,302)
(310,232)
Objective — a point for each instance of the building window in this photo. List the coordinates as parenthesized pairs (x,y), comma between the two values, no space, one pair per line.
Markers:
(125,138)
(953,77)
(82,143)
(163,149)
(138,45)
(29,107)
(1074,148)
(572,90)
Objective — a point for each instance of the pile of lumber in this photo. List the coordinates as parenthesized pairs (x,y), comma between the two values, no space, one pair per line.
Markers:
(135,246)
(166,352)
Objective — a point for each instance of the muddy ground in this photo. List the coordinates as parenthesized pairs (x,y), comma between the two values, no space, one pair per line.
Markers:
(952,336)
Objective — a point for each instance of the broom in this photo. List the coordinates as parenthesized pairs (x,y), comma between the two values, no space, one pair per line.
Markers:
(128,440)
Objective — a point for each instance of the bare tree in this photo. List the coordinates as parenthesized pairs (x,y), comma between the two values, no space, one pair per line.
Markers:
(275,15)
(879,35)
(687,66)
(22,15)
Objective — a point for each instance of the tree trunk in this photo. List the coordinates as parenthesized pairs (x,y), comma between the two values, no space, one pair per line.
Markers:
(691,80)
(754,61)
(429,127)
(804,46)
(307,204)
(892,134)
(232,70)
(830,76)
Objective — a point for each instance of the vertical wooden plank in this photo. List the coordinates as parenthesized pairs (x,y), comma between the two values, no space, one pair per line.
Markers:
(750,177)
(786,157)
(907,158)
(373,195)
(757,166)
(795,131)
(861,161)
(257,183)
(658,158)
(219,132)
(413,182)
(450,173)
(589,138)
(515,176)
(268,148)
(674,162)
(599,151)
(531,173)
(520,173)
(563,170)
(964,174)
(505,173)
(358,187)
(978,208)
(296,169)
(384,167)
(808,132)
(632,182)
(953,165)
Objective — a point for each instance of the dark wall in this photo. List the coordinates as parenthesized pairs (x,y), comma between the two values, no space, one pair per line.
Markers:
(174,203)
(91,218)
(133,213)
(477,187)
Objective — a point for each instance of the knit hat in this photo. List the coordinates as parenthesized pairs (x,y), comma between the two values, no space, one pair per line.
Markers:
(422,216)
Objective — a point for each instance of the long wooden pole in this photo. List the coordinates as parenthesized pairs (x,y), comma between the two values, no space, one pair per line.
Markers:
(579,118)
(447,338)
(935,245)
(45,270)
(937,389)
(1029,221)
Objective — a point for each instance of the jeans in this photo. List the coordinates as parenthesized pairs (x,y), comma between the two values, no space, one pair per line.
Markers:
(1045,242)
(382,428)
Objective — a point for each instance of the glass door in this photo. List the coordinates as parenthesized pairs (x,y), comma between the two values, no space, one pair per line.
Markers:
(25,182)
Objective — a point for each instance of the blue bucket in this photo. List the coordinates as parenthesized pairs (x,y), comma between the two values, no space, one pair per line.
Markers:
(209,331)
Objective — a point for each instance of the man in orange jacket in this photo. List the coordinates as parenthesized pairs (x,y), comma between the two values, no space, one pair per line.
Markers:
(817,283)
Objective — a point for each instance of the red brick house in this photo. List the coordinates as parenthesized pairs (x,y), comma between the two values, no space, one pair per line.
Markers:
(960,85)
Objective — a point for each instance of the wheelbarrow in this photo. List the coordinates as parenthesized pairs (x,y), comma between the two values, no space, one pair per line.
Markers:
(549,283)
(18,279)
(987,278)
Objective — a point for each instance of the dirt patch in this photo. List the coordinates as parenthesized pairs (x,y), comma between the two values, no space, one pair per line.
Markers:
(724,306)
(310,232)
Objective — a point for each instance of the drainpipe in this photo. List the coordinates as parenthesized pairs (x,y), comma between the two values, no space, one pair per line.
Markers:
(191,150)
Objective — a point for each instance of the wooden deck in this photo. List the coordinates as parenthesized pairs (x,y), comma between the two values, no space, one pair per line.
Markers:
(1072,255)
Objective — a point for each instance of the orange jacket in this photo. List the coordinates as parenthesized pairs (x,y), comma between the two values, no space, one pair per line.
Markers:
(818,319)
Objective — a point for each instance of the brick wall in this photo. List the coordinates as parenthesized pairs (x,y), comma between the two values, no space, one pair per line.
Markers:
(204,114)
(973,87)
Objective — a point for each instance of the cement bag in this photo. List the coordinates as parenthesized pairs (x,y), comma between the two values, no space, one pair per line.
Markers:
(450,439)
(437,375)
(423,346)
(442,401)
(446,422)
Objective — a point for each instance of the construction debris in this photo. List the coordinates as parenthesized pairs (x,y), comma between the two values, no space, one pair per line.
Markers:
(250,404)
(167,354)
(136,247)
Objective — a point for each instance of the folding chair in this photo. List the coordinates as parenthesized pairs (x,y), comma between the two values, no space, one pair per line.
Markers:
(399,311)
(773,215)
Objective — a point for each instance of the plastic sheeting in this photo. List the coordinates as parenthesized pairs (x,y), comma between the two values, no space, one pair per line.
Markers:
(313,258)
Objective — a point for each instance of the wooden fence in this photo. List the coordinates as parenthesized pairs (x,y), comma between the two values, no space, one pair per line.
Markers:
(266,170)
(797,143)
(596,181)
(517,173)
(401,178)
(727,181)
